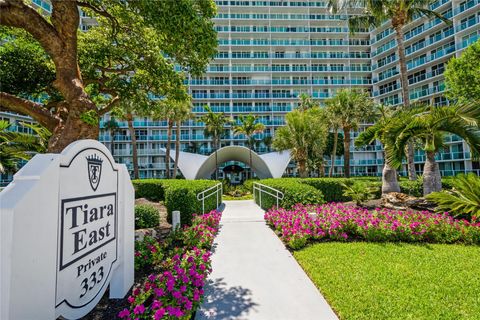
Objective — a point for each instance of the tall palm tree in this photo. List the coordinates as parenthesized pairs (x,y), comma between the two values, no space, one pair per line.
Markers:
(429,125)
(181,113)
(16,146)
(350,107)
(165,110)
(111,125)
(400,13)
(303,135)
(215,124)
(249,126)
(378,132)
(334,125)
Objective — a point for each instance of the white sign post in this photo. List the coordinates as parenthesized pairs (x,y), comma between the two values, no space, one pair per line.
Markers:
(67,233)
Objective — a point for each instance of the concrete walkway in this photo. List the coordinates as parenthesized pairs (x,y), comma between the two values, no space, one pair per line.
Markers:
(254,276)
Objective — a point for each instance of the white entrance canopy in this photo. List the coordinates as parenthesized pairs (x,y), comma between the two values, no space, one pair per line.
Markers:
(197,166)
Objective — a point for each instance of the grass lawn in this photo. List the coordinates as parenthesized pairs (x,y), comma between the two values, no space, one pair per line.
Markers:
(396,281)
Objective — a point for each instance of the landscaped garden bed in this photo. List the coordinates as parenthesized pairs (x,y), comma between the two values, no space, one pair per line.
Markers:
(170,274)
(337,221)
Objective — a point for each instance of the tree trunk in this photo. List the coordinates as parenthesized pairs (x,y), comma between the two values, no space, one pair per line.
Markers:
(321,169)
(167,149)
(405,95)
(334,152)
(112,139)
(346,153)
(177,150)
(216,160)
(302,168)
(389,179)
(432,181)
(134,145)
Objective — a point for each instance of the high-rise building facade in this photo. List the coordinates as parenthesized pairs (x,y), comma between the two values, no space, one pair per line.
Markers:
(269,52)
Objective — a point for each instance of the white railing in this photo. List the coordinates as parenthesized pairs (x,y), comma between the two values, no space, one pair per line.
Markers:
(207,193)
(277,194)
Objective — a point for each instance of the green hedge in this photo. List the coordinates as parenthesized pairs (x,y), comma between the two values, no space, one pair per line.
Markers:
(146,216)
(182,195)
(177,195)
(330,187)
(294,192)
(150,189)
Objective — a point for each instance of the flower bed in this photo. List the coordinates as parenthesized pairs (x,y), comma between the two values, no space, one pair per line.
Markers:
(337,221)
(177,269)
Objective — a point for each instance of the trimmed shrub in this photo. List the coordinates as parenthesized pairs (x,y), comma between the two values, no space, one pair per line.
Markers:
(150,189)
(182,195)
(146,216)
(294,192)
(332,188)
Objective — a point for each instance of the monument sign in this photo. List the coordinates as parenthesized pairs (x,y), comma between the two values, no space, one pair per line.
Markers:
(67,233)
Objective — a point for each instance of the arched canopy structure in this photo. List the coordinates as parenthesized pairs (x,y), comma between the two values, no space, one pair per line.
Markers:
(197,166)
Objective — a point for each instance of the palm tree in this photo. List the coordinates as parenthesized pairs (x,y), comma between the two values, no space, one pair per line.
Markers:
(378,132)
(334,124)
(429,125)
(111,125)
(181,113)
(165,110)
(303,134)
(16,146)
(400,13)
(248,127)
(267,142)
(215,129)
(350,107)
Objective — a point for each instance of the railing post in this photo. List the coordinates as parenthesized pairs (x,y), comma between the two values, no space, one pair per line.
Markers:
(260,195)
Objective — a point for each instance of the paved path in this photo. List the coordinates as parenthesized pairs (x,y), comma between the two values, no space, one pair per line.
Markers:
(254,276)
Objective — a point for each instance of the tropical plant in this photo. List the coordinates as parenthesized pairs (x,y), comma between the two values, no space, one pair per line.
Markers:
(462,200)
(111,125)
(400,13)
(16,146)
(181,113)
(350,107)
(429,125)
(249,126)
(215,124)
(360,192)
(334,125)
(377,132)
(304,134)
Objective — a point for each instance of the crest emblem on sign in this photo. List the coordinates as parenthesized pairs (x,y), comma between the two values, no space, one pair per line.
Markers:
(94,170)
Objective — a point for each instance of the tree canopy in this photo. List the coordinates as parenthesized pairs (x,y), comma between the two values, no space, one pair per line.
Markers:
(462,75)
(131,51)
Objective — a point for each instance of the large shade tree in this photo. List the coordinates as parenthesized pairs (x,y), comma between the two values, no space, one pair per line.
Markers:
(400,13)
(350,108)
(430,125)
(94,70)
(248,126)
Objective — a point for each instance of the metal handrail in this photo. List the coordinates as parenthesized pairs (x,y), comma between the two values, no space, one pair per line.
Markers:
(258,186)
(217,189)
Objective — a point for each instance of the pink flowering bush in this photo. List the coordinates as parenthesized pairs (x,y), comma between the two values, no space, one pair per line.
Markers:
(179,268)
(340,222)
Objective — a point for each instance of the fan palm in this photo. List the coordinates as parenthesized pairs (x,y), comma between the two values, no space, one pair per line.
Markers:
(16,146)
(302,135)
(400,13)
(429,125)
(350,107)
(215,124)
(249,126)
(377,132)
(111,125)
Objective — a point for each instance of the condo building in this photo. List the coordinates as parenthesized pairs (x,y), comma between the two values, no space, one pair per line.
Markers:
(270,52)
